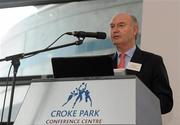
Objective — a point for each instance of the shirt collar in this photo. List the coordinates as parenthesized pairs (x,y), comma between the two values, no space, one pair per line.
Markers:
(129,53)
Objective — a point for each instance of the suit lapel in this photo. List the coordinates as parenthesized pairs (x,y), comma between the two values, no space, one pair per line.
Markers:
(115,58)
(136,58)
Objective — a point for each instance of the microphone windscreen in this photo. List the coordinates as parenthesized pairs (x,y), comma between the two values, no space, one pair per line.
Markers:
(101,35)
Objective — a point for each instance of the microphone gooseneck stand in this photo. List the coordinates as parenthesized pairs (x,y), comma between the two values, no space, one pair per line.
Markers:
(16,63)
(15,60)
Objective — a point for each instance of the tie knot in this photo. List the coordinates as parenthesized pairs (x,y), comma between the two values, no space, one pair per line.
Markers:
(122,55)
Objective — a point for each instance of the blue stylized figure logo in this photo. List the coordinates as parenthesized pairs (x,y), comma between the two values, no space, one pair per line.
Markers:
(78,94)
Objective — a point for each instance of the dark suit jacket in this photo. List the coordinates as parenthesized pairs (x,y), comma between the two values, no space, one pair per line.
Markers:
(154,75)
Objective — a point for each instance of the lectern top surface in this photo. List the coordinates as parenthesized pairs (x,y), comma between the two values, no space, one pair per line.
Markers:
(84,78)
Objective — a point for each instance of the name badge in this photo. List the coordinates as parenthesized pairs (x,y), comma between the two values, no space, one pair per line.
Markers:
(134,66)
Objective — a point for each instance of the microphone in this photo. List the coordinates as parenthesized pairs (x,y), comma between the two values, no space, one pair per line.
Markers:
(97,35)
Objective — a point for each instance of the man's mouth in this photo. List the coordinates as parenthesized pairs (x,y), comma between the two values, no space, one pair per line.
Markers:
(116,37)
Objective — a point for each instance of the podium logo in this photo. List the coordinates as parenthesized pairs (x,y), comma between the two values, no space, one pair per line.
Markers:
(78,94)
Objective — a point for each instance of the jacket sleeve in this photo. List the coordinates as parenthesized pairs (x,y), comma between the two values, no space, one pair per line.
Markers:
(161,86)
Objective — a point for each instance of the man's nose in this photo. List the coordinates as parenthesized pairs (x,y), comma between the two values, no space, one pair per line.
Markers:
(115,30)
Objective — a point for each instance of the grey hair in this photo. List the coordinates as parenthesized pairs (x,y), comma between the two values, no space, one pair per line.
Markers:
(134,21)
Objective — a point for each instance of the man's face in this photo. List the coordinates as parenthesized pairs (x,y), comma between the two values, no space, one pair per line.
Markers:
(122,30)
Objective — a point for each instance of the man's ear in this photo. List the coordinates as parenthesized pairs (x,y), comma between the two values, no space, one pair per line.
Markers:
(136,30)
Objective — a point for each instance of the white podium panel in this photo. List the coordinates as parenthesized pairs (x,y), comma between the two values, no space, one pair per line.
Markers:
(89,101)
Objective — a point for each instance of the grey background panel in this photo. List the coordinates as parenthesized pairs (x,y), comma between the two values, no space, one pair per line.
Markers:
(49,22)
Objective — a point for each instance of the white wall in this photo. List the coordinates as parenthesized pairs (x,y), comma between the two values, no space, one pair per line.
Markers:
(161,35)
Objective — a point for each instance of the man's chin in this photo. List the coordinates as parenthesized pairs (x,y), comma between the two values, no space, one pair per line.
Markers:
(117,43)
